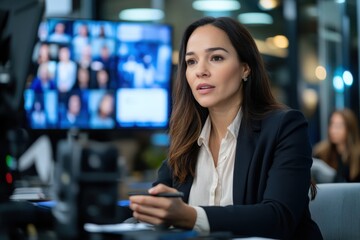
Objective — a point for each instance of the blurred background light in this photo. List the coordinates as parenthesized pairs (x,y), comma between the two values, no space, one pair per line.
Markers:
(141,14)
(320,72)
(58,8)
(216,5)
(281,41)
(160,139)
(310,100)
(340,1)
(338,84)
(255,18)
(268,4)
(348,78)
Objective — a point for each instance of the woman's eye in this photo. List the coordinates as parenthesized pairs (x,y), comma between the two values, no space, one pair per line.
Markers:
(190,62)
(217,58)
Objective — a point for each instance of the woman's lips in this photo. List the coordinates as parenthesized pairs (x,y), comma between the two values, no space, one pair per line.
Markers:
(204,88)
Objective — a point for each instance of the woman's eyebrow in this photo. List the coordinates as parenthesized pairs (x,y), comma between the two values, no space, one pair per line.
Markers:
(209,50)
(215,49)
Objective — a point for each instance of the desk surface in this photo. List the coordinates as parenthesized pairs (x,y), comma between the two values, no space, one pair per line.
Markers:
(18,214)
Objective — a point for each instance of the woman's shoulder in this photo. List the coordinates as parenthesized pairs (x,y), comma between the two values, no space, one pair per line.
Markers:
(279,115)
(283,121)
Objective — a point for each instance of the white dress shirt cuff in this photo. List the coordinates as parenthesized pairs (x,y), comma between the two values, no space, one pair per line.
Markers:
(202,223)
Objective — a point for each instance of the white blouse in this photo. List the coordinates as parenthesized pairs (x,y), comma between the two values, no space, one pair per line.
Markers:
(212,186)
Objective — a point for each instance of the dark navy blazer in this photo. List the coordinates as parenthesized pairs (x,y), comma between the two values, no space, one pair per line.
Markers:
(271,181)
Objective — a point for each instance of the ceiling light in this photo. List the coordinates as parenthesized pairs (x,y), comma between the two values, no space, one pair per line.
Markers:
(281,41)
(268,4)
(267,49)
(320,72)
(216,5)
(348,78)
(141,14)
(255,18)
(338,84)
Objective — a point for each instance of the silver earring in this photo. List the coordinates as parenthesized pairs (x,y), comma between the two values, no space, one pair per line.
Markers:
(245,79)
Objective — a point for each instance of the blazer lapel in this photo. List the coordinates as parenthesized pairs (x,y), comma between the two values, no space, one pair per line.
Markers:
(245,147)
(185,188)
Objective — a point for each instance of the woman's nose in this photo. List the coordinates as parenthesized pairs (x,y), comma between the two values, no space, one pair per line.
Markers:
(202,71)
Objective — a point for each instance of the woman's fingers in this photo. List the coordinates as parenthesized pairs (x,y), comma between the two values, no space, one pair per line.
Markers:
(147,218)
(156,210)
(156,206)
(161,188)
(163,211)
(149,214)
(150,201)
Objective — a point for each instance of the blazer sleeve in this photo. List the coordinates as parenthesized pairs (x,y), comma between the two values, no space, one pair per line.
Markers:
(283,158)
(164,175)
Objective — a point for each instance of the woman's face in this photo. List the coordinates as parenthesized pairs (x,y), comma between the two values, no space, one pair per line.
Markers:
(214,71)
(337,129)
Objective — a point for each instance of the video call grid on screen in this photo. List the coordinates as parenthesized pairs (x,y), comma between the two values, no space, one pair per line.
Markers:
(100,75)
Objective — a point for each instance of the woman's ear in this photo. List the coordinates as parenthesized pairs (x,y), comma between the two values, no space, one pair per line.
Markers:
(247,70)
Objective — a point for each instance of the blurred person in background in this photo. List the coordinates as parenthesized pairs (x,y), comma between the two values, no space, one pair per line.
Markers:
(74,115)
(43,53)
(85,58)
(59,35)
(38,115)
(341,150)
(44,80)
(102,79)
(80,41)
(83,79)
(66,71)
(103,118)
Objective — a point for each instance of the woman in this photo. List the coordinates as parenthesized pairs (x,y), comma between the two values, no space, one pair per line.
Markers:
(341,150)
(241,159)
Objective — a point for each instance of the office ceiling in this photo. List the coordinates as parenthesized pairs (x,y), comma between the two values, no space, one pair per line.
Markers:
(180,13)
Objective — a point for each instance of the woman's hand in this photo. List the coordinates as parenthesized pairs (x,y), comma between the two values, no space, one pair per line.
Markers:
(161,210)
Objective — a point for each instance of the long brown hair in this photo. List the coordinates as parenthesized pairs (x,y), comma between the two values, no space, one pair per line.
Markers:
(327,151)
(188,117)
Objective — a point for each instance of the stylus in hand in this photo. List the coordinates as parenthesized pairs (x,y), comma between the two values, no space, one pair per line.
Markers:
(163,194)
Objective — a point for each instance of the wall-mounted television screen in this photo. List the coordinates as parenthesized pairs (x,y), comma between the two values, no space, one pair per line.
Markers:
(91,74)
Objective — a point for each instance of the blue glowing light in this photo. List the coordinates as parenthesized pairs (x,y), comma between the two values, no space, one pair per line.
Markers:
(348,78)
(338,84)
